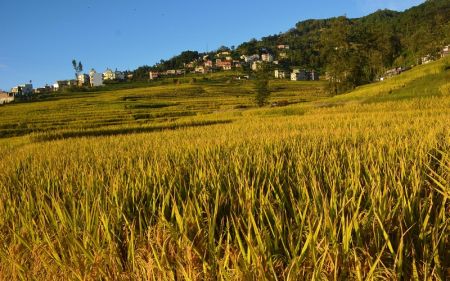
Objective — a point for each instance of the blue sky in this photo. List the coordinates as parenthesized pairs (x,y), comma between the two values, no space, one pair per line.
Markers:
(39,39)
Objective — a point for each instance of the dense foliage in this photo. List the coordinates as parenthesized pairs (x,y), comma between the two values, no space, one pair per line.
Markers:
(355,51)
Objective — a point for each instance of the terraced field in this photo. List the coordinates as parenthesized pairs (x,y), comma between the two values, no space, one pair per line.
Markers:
(192,182)
(143,108)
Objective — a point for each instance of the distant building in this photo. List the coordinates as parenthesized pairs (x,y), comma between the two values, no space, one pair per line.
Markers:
(83,80)
(304,75)
(171,72)
(180,72)
(22,90)
(95,79)
(237,63)
(283,55)
(61,84)
(225,65)
(6,97)
(295,76)
(283,47)
(426,59)
(153,75)
(208,63)
(393,72)
(108,75)
(280,74)
(267,57)
(299,75)
(190,65)
(445,51)
(250,59)
(200,69)
(223,54)
(113,75)
(314,76)
(44,90)
(256,65)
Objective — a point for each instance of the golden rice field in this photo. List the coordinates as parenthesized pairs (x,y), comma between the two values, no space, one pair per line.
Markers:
(191,182)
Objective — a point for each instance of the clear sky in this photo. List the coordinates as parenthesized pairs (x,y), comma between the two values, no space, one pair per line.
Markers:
(39,38)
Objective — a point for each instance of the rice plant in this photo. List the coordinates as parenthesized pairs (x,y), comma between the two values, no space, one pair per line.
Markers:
(355,191)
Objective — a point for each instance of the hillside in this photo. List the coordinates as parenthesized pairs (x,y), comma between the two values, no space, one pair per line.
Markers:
(401,37)
(352,51)
(146,108)
(190,181)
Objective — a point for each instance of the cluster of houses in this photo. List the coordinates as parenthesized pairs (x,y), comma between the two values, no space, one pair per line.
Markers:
(394,72)
(423,60)
(297,75)
(224,61)
(93,79)
(429,58)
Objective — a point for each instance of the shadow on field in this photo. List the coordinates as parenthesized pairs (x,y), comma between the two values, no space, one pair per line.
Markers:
(149,106)
(123,131)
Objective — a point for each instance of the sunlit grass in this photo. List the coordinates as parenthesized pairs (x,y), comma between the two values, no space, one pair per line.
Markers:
(320,190)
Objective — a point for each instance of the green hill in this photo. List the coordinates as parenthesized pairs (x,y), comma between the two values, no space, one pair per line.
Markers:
(352,51)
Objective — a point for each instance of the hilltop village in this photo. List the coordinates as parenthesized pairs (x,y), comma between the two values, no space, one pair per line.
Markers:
(223,60)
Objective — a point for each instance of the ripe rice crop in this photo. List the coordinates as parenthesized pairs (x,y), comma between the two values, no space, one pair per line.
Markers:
(355,191)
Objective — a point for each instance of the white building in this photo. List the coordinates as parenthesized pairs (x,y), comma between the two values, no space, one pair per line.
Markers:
(256,65)
(180,71)
(250,59)
(280,74)
(314,76)
(283,47)
(299,75)
(153,75)
(304,75)
(445,51)
(200,69)
(113,75)
(426,59)
(223,54)
(96,79)
(83,79)
(267,57)
(22,90)
(5,98)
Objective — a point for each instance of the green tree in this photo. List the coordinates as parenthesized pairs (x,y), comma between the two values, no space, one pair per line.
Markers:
(78,67)
(262,89)
(337,51)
